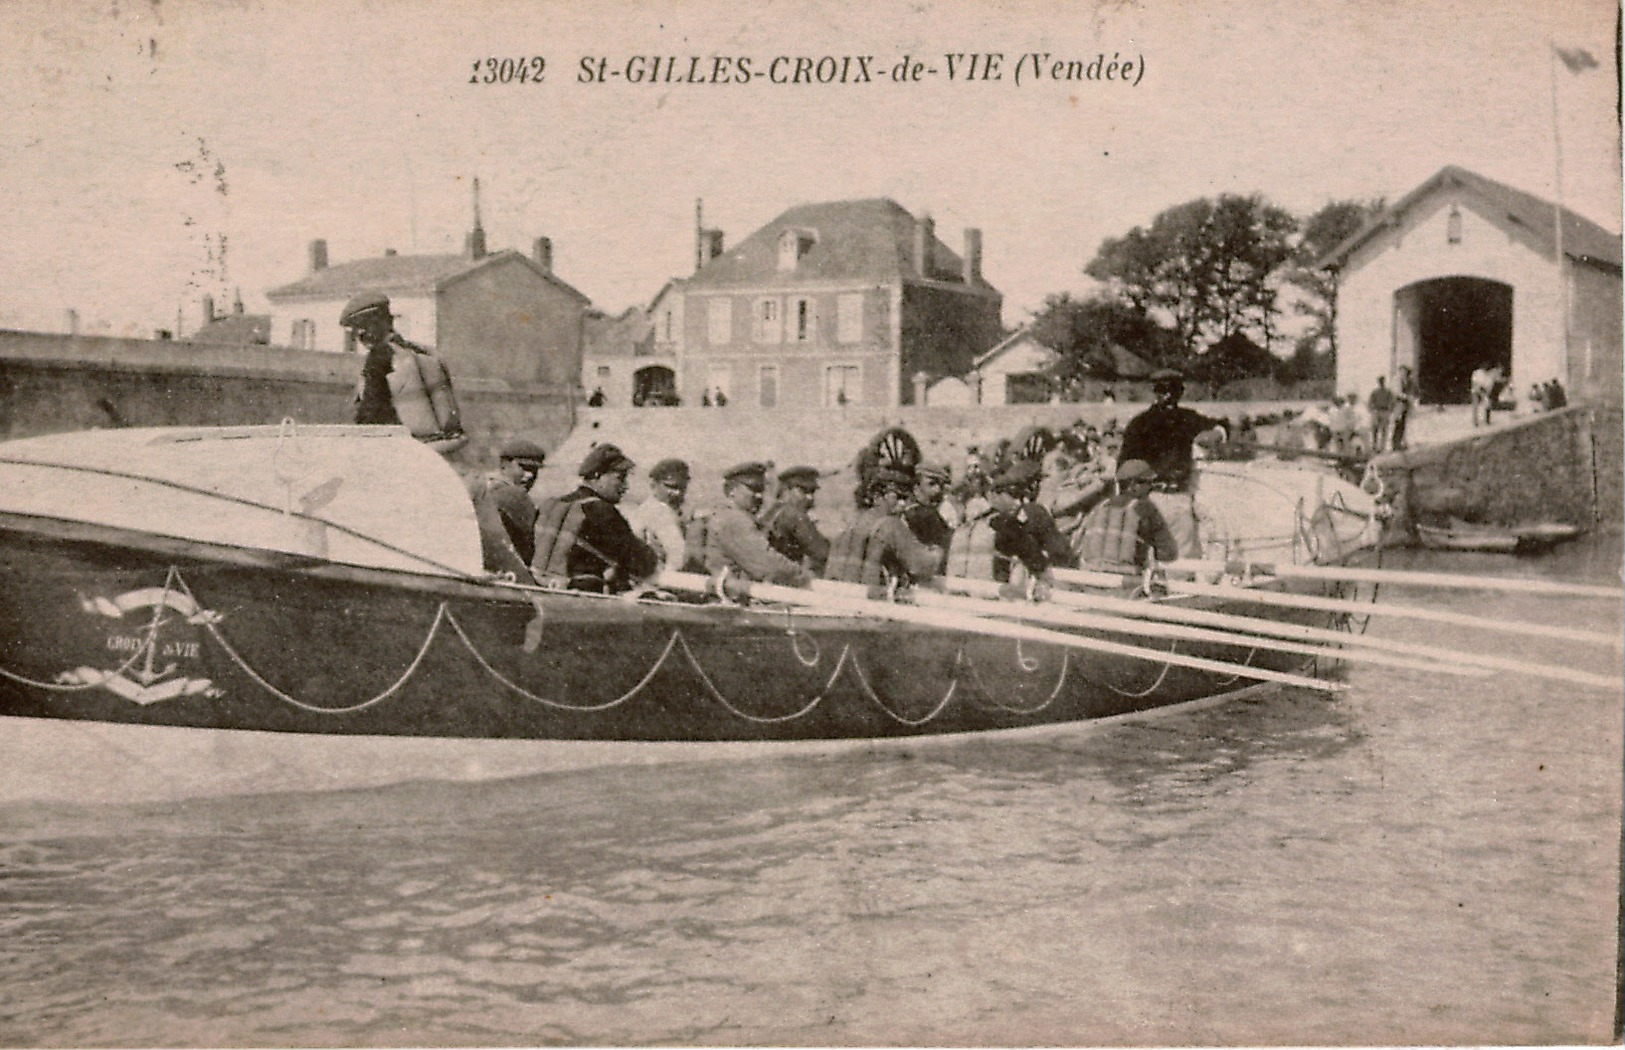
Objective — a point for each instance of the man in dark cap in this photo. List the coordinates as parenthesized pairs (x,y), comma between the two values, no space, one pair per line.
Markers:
(788,524)
(401,382)
(877,549)
(1124,532)
(658,520)
(505,511)
(583,539)
(1162,436)
(734,542)
(923,511)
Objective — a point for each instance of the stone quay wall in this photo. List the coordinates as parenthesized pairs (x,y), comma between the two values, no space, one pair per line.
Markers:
(1565,466)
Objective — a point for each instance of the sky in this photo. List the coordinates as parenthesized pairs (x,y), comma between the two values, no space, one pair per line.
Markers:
(154,151)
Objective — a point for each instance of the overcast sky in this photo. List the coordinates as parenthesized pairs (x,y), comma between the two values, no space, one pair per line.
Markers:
(137,135)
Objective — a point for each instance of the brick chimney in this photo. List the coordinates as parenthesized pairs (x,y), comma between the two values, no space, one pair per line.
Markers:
(542,252)
(318,255)
(925,234)
(973,255)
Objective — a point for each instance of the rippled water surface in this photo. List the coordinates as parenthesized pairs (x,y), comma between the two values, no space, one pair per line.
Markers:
(1419,859)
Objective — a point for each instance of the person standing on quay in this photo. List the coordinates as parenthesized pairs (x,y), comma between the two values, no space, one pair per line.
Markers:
(1406,397)
(1380,404)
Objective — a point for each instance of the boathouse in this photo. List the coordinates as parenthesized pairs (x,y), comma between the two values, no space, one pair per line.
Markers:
(1465,272)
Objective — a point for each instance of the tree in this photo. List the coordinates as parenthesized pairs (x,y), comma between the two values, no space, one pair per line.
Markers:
(1206,265)
(1084,333)
(1233,358)
(1334,223)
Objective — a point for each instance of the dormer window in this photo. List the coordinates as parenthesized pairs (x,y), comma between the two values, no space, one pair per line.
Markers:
(793,244)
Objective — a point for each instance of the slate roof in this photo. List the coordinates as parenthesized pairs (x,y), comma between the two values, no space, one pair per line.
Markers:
(399,275)
(1583,240)
(858,240)
(235,330)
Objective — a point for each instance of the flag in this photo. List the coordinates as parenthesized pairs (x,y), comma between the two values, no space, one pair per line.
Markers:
(1577,59)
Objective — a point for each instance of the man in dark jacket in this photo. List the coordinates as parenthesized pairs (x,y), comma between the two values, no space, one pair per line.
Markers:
(788,524)
(504,510)
(603,554)
(1162,436)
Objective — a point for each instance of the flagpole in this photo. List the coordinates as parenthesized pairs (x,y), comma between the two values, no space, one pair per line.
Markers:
(1557,223)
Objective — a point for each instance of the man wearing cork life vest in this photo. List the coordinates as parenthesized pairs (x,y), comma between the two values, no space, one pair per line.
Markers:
(401,382)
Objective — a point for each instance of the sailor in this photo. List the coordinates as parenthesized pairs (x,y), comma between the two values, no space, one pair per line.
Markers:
(788,524)
(1162,436)
(734,542)
(1126,531)
(877,549)
(923,511)
(401,382)
(504,510)
(658,520)
(583,541)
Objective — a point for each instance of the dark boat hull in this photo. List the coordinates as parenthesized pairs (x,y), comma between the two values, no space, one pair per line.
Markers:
(105,625)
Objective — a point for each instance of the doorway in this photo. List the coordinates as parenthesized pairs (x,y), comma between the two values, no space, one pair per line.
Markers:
(1449,327)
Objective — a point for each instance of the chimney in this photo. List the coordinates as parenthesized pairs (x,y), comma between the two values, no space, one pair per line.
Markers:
(73,321)
(708,247)
(476,236)
(973,256)
(318,255)
(542,251)
(208,308)
(925,233)
(237,302)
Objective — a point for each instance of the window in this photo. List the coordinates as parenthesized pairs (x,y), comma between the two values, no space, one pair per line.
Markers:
(849,317)
(768,382)
(765,322)
(719,321)
(841,385)
(603,374)
(793,244)
(804,320)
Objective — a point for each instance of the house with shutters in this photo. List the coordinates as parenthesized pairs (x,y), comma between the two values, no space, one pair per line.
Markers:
(1465,272)
(499,315)
(829,304)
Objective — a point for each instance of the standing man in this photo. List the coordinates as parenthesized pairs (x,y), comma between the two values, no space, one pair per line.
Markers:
(1406,397)
(658,520)
(1162,436)
(401,382)
(1381,406)
(583,539)
(788,523)
(504,510)
(734,543)
(1483,387)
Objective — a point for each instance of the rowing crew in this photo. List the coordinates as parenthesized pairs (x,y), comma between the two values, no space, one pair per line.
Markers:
(897,539)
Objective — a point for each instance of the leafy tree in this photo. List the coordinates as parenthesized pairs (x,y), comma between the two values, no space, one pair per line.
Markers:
(1083,332)
(1233,358)
(1334,223)
(1206,265)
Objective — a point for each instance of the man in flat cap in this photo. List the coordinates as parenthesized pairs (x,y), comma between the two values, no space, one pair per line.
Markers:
(877,549)
(788,524)
(1162,436)
(401,382)
(583,539)
(734,541)
(505,511)
(658,520)
(923,510)
(1125,531)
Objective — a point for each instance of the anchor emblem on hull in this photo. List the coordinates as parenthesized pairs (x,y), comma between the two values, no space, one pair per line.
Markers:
(144,675)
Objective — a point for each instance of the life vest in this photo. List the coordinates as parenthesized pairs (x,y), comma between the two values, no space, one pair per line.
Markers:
(424,399)
(1110,537)
(557,525)
(495,544)
(971,553)
(858,555)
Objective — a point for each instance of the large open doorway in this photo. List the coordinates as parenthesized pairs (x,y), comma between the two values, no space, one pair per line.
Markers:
(654,385)
(1448,327)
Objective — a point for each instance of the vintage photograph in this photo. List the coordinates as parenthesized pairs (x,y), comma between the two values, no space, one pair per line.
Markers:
(907,523)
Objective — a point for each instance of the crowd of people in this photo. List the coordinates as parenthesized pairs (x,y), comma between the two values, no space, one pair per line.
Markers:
(1129,494)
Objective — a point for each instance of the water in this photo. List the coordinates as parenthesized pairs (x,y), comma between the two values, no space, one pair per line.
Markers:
(1417,860)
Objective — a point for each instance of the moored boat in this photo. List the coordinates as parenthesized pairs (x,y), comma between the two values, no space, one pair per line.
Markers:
(1532,538)
(181,599)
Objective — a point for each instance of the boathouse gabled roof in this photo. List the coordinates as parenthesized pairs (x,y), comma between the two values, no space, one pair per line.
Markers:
(853,240)
(403,275)
(1514,210)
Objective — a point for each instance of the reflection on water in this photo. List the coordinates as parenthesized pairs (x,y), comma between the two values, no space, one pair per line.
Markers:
(1416,860)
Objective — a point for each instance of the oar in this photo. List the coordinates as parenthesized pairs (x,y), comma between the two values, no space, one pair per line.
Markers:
(1061,617)
(1356,574)
(1335,457)
(957,621)
(1260,596)
(1161,611)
